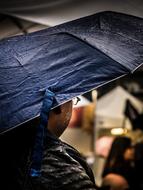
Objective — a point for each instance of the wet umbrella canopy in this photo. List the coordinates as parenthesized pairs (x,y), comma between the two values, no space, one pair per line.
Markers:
(70,59)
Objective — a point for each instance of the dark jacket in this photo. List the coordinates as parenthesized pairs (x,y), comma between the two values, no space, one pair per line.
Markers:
(62,166)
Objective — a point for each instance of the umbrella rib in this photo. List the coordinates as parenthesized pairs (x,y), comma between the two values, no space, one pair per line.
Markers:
(137,68)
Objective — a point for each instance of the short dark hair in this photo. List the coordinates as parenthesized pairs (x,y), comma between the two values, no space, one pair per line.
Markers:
(57,110)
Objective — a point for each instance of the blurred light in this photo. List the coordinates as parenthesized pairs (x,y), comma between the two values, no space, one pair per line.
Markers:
(94,95)
(103,145)
(90,160)
(118,131)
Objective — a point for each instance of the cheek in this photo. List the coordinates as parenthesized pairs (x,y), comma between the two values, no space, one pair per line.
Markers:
(67,117)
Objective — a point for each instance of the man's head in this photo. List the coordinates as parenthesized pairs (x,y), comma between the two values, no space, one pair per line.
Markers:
(59,118)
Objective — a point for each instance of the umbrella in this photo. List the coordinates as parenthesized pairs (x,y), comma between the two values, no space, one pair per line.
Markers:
(71,59)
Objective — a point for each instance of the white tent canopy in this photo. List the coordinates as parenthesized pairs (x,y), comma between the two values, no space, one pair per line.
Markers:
(51,13)
(110,107)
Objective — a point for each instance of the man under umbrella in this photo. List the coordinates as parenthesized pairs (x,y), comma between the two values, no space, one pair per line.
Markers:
(44,162)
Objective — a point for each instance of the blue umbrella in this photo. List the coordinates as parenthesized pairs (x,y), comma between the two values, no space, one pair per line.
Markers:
(70,59)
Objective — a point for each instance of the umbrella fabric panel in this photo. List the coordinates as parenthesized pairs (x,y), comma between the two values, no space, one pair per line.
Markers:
(70,69)
(117,35)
